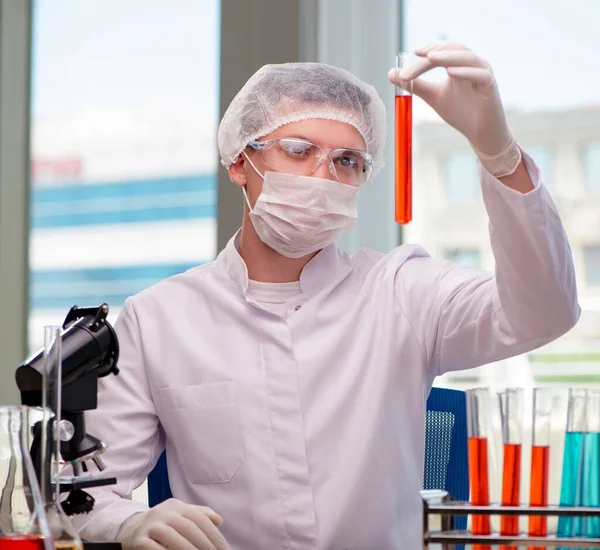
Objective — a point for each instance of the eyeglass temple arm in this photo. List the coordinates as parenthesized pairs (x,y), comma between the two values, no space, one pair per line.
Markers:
(256,145)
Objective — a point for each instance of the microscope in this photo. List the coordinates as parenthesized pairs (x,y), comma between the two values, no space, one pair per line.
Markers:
(90,350)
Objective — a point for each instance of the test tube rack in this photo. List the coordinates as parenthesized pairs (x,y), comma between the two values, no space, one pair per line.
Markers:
(440,503)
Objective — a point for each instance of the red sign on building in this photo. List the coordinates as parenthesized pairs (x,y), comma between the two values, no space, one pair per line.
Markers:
(56,169)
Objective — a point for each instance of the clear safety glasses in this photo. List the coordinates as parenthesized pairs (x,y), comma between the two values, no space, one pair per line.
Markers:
(303,158)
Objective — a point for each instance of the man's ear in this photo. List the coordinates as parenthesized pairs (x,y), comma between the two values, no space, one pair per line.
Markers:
(237,172)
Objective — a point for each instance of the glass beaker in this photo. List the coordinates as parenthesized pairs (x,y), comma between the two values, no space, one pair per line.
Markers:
(64,534)
(23,522)
(403,147)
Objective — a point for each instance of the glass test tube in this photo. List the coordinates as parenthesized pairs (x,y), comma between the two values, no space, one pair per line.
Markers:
(403,153)
(590,481)
(540,460)
(63,533)
(478,425)
(53,370)
(571,482)
(510,401)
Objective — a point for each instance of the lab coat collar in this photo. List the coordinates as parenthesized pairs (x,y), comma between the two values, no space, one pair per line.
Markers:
(314,275)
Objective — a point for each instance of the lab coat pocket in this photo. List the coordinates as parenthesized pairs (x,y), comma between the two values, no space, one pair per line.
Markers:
(204,425)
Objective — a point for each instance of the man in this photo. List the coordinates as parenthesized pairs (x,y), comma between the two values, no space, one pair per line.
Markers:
(287,380)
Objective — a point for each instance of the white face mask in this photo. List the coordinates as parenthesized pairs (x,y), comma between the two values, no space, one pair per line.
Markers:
(299,215)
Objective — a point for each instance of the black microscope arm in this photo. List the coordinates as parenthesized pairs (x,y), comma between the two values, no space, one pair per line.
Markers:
(90,350)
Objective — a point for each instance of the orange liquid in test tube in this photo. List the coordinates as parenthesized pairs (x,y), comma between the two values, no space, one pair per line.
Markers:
(403,152)
(403,199)
(538,495)
(540,460)
(478,408)
(511,482)
(480,486)
(510,401)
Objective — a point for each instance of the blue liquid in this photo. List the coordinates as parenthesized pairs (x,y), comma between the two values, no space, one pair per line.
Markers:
(570,488)
(591,481)
(580,483)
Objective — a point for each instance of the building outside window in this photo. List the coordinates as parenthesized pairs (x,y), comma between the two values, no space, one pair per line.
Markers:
(591,167)
(544,158)
(461,177)
(591,256)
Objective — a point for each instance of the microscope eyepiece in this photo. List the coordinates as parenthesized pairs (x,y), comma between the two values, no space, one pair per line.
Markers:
(89,347)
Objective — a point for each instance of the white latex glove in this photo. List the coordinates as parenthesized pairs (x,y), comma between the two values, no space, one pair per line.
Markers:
(174,525)
(468,100)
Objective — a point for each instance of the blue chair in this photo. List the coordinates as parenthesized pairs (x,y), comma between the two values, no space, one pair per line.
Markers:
(159,489)
(446,458)
(446,464)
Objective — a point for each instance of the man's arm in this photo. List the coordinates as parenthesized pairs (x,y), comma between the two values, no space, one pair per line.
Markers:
(466,317)
(126,421)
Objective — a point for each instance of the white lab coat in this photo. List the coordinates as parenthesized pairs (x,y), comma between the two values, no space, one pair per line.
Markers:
(307,432)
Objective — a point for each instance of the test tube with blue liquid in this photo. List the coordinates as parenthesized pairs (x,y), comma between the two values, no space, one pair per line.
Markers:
(580,484)
(591,463)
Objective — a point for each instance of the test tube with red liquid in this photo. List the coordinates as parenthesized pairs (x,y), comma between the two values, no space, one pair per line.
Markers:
(511,414)
(478,425)
(403,152)
(540,460)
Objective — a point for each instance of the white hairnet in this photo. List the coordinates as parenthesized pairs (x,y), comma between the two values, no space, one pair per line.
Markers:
(279,94)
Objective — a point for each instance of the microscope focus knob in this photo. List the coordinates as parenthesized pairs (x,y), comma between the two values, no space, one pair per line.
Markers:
(64,431)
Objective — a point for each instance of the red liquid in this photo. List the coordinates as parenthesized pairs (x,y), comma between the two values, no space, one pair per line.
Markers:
(538,494)
(403,159)
(480,487)
(511,483)
(21,542)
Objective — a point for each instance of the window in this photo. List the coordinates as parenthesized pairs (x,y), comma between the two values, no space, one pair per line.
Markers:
(591,167)
(562,124)
(544,158)
(466,257)
(461,177)
(591,256)
(123,155)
